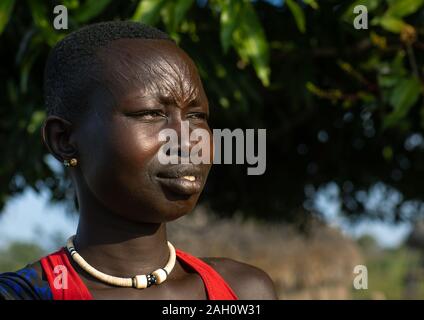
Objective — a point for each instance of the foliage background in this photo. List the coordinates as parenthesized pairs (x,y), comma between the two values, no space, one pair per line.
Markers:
(339,104)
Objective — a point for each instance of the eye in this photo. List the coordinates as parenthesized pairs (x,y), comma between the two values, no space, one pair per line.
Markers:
(148,114)
(198,115)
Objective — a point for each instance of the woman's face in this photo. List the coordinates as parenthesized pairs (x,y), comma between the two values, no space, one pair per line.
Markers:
(151,85)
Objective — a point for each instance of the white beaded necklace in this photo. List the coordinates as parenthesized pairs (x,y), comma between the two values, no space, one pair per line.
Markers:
(139,281)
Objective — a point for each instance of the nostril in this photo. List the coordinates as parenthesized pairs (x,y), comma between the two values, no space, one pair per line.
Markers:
(178,151)
(184,152)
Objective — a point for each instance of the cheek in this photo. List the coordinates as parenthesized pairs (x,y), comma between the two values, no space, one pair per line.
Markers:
(131,152)
(134,147)
(117,164)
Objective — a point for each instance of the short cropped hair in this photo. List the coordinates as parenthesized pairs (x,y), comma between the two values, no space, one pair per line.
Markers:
(71,64)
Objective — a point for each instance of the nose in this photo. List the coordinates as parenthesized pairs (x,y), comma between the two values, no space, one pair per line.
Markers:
(183,147)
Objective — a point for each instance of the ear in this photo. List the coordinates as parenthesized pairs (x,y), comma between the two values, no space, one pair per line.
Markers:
(57,137)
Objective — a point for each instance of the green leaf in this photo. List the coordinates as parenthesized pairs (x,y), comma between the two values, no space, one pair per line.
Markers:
(180,11)
(71,4)
(148,11)
(406,93)
(90,9)
(173,14)
(39,13)
(402,8)
(389,74)
(230,11)
(167,14)
(36,121)
(387,81)
(312,3)
(6,7)
(403,97)
(371,5)
(391,24)
(298,15)
(43,23)
(250,42)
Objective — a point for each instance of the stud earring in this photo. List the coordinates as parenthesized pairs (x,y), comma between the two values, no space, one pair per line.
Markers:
(70,163)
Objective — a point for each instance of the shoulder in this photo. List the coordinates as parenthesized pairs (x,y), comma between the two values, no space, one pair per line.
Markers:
(247,281)
(26,284)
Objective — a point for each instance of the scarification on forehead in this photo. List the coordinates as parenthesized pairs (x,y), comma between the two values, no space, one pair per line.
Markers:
(154,69)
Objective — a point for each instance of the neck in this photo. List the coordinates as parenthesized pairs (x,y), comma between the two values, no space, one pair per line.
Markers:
(118,246)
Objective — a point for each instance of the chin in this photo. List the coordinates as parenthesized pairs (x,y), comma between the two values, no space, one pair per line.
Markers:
(177,209)
(165,207)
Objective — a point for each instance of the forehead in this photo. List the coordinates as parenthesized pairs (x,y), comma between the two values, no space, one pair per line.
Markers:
(149,68)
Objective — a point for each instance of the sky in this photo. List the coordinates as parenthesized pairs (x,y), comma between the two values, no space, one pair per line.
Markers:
(29,217)
(388,235)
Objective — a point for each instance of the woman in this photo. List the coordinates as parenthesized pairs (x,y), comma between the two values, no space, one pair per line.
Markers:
(110,89)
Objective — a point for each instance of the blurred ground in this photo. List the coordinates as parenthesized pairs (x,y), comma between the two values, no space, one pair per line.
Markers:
(316,265)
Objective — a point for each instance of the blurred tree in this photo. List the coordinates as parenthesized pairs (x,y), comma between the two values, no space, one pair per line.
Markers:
(339,104)
(368,242)
(18,254)
(416,237)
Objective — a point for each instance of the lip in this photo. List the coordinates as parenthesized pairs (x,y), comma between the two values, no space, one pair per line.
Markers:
(173,179)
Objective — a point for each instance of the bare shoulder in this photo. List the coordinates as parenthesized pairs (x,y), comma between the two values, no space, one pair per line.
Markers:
(247,281)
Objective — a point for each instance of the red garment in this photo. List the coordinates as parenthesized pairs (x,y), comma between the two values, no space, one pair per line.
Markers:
(216,287)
